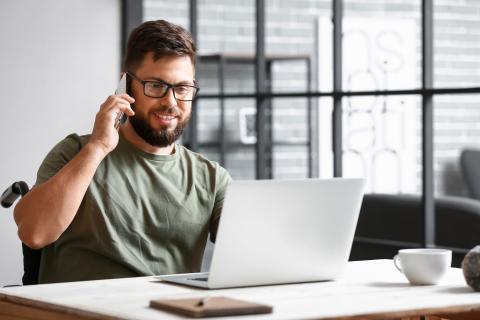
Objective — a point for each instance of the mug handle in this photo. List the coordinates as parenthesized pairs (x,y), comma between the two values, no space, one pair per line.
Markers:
(397,263)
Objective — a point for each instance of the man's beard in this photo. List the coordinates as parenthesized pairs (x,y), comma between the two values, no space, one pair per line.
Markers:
(157,137)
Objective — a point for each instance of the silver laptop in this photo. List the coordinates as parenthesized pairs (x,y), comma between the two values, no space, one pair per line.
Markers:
(282,231)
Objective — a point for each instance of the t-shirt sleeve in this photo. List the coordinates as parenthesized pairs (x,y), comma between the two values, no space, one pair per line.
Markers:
(59,156)
(222,180)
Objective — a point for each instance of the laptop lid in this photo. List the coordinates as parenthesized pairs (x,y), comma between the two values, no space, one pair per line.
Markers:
(285,231)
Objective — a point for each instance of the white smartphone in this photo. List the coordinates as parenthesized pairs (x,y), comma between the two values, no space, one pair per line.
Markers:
(121,88)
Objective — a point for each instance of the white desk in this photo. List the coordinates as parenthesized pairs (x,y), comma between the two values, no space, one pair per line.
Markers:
(368,289)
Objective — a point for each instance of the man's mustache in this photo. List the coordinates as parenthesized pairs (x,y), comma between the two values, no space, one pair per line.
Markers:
(170,111)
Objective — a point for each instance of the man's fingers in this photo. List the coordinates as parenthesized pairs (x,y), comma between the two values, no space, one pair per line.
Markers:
(116,101)
(127,109)
(126,97)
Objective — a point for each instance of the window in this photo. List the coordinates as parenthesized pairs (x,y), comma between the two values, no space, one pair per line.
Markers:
(405,75)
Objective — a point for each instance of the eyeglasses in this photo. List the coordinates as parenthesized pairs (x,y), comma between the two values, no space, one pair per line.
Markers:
(159,89)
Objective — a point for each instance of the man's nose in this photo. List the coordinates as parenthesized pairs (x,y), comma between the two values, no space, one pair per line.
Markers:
(170,97)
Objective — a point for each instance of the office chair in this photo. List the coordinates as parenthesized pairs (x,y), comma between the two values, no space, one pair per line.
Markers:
(31,257)
(470,166)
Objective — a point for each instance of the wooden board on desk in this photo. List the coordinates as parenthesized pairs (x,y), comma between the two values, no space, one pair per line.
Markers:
(16,308)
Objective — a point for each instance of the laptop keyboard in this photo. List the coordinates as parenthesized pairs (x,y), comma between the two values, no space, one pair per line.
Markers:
(199,279)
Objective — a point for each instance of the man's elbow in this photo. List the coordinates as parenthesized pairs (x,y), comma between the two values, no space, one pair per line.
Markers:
(26,231)
(31,236)
(32,239)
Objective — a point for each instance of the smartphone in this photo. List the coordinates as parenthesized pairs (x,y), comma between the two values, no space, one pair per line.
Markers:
(121,88)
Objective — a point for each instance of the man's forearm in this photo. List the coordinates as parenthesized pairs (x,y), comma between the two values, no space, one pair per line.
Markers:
(44,213)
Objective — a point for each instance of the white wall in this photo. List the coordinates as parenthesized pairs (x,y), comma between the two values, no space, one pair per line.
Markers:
(58,61)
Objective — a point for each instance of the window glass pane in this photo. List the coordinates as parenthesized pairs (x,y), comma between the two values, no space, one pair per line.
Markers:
(381,45)
(381,142)
(226,46)
(456,43)
(456,125)
(227,26)
(209,119)
(241,162)
(222,73)
(295,137)
(176,12)
(292,43)
(239,134)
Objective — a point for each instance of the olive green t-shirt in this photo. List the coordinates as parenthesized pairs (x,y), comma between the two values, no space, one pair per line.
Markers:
(143,214)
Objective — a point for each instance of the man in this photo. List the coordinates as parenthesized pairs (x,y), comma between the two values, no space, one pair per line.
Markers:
(129,202)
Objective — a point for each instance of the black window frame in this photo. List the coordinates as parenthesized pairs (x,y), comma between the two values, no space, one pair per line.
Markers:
(130,14)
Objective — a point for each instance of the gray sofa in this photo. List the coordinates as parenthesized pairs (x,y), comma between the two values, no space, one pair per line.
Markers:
(397,217)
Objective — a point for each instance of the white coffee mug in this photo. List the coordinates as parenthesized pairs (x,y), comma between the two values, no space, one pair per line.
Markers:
(423,266)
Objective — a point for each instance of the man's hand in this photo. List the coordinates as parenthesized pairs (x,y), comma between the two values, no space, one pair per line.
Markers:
(104,134)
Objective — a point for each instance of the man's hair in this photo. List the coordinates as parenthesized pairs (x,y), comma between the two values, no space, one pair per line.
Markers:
(160,37)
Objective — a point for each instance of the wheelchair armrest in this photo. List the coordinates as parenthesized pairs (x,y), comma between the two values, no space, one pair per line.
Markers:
(17,189)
